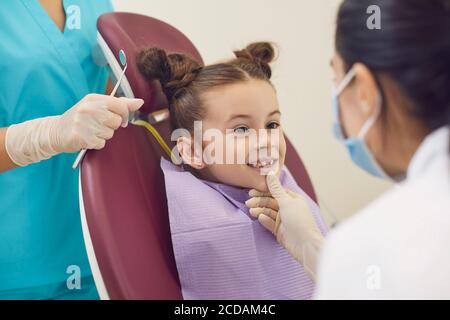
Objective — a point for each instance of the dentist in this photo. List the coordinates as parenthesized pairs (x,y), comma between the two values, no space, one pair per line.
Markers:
(47,73)
(392,113)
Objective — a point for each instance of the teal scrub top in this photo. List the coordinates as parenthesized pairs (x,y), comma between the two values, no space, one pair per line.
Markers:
(44,72)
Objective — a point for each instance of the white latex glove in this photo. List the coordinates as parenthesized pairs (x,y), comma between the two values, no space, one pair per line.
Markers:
(87,125)
(287,215)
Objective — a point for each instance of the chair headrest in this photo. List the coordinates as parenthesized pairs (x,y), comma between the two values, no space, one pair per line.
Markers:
(133,32)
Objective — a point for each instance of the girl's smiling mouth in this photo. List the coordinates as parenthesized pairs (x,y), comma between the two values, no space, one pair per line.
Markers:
(264,166)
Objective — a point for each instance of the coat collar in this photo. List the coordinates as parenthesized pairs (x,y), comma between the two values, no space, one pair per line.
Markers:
(435,145)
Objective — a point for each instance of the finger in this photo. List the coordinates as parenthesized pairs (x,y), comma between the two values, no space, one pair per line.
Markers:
(106,134)
(133,104)
(275,187)
(97,143)
(113,121)
(277,225)
(122,106)
(267,223)
(117,106)
(261,202)
(255,193)
(255,212)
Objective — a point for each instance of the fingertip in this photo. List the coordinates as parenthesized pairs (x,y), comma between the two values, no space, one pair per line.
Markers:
(135,104)
(261,218)
(274,185)
(266,222)
(253,212)
(252,202)
(256,193)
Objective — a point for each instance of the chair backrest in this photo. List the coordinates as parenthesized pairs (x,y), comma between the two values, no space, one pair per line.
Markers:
(122,189)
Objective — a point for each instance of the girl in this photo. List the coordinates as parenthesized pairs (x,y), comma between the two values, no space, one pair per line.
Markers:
(221,252)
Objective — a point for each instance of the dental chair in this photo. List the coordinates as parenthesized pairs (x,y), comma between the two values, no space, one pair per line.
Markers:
(123,203)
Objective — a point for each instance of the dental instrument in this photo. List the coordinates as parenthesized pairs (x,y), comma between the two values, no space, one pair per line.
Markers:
(123,61)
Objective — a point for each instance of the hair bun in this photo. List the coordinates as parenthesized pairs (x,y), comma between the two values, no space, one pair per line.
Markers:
(154,64)
(260,53)
(174,71)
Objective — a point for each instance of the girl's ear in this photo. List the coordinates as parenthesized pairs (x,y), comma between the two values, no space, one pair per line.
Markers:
(188,154)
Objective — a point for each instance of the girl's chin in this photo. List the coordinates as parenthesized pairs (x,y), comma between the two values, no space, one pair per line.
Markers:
(259,183)
(257,180)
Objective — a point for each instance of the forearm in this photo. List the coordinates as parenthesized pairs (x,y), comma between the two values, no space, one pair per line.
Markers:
(87,125)
(5,161)
(29,142)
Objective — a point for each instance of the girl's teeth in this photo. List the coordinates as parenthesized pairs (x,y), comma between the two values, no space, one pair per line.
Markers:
(263,164)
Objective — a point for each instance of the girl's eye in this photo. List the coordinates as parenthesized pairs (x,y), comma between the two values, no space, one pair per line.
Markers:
(273,125)
(240,130)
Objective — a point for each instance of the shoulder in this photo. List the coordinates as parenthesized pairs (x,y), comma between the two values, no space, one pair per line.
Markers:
(387,249)
(89,9)
(105,5)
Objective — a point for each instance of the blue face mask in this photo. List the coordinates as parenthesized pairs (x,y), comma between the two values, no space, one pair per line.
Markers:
(356,147)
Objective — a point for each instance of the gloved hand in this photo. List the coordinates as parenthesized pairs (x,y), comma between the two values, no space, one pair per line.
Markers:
(87,125)
(287,215)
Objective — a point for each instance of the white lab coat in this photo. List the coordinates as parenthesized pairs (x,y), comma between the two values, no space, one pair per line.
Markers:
(399,246)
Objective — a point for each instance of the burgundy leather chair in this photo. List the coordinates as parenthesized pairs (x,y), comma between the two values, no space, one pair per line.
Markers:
(122,197)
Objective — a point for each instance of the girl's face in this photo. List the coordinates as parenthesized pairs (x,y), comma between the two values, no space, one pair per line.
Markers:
(244,119)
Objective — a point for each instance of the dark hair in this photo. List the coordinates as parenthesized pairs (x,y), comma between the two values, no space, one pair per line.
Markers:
(183,80)
(412,48)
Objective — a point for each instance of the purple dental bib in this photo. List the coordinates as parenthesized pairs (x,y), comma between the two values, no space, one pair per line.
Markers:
(221,252)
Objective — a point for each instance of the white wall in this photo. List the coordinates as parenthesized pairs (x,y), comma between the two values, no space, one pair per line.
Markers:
(303,31)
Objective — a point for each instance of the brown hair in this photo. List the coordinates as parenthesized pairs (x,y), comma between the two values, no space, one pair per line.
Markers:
(183,80)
